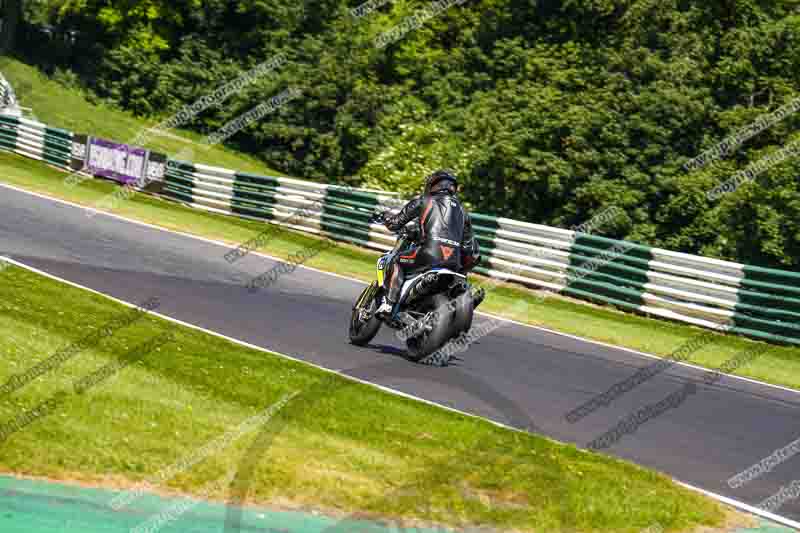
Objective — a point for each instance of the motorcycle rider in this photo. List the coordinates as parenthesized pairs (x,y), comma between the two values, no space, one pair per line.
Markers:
(446,238)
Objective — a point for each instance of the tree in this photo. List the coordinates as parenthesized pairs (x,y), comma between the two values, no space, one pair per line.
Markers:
(11,11)
(550,111)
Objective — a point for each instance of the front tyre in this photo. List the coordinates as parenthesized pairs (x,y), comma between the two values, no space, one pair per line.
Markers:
(364,325)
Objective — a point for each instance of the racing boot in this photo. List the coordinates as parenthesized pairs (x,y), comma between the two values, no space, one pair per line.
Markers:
(477,297)
(385,309)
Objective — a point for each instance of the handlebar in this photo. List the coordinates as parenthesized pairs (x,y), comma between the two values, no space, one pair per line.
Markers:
(410,230)
(377,218)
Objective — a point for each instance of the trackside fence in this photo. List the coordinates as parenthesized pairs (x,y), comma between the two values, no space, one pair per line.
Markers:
(753,301)
(35,140)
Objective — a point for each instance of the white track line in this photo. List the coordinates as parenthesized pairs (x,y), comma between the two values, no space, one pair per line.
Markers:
(723,499)
(745,507)
(267,256)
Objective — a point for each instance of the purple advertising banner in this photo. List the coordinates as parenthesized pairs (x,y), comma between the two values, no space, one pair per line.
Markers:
(119,162)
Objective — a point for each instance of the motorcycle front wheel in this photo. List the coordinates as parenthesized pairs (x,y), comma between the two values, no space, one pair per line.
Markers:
(364,325)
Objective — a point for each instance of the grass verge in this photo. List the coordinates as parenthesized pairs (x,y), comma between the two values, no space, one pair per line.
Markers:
(780,365)
(398,458)
(58,106)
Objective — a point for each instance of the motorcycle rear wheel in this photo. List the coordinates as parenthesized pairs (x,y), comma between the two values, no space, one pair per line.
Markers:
(462,319)
(436,332)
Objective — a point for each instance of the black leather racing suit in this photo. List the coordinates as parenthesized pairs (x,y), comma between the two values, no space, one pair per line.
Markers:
(446,239)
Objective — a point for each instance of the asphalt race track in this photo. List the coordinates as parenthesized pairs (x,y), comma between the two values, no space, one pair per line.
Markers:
(517,375)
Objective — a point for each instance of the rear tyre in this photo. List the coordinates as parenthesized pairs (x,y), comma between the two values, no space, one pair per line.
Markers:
(463,312)
(363,331)
(435,331)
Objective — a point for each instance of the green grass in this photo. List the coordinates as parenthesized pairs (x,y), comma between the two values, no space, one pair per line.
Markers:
(338,446)
(780,365)
(59,106)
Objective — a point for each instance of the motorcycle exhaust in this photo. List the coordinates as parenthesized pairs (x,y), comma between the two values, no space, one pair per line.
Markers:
(424,286)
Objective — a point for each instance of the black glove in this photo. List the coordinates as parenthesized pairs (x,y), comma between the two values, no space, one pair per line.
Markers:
(377,218)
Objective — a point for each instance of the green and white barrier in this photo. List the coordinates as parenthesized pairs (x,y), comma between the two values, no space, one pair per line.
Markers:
(722,295)
(758,302)
(35,140)
(336,211)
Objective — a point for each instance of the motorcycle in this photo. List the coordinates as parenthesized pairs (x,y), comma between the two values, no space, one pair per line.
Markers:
(434,307)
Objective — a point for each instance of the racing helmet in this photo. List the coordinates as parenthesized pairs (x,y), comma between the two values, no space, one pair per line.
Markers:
(441,180)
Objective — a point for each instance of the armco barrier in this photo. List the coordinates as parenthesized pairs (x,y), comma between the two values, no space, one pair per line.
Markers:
(722,295)
(35,140)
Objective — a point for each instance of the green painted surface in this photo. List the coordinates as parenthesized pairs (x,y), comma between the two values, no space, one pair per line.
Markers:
(767,527)
(28,506)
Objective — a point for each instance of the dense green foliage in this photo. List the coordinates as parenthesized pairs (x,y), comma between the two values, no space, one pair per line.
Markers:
(10,15)
(552,110)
